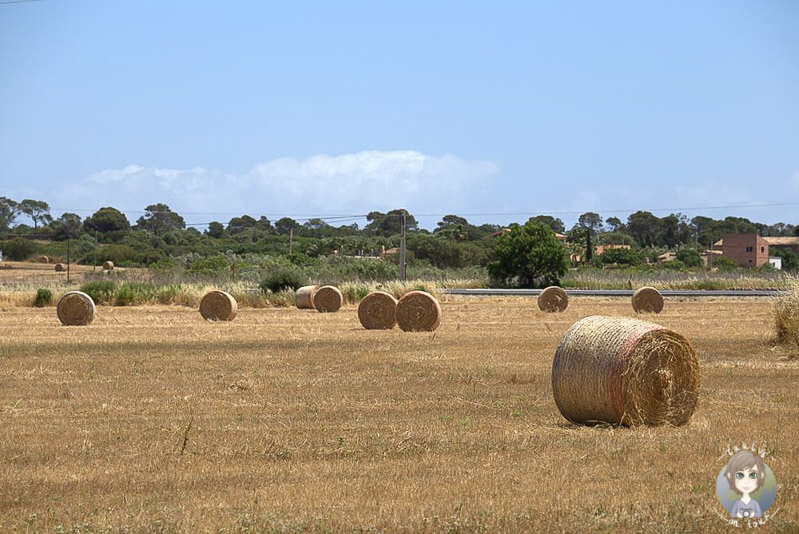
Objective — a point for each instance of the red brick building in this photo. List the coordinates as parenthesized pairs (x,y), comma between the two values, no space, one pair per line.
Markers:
(749,250)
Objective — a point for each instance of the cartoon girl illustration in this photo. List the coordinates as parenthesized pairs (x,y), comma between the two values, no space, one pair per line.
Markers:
(745,473)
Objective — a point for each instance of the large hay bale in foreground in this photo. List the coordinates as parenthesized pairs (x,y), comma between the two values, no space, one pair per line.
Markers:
(418,311)
(44,259)
(625,371)
(327,299)
(304,297)
(59,268)
(553,299)
(108,265)
(378,311)
(75,308)
(647,300)
(218,306)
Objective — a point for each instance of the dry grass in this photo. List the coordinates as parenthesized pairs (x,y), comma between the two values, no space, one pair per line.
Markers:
(786,315)
(151,419)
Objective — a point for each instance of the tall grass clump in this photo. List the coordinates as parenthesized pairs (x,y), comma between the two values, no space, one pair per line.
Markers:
(786,315)
(101,291)
(44,297)
(133,293)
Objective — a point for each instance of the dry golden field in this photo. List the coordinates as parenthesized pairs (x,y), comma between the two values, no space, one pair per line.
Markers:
(151,419)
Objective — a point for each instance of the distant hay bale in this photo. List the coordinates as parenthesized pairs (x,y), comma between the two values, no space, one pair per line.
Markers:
(647,300)
(75,308)
(418,311)
(218,306)
(327,299)
(44,259)
(59,268)
(625,371)
(304,297)
(553,299)
(108,265)
(378,311)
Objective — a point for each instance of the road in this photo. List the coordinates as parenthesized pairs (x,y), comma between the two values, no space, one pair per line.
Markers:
(615,292)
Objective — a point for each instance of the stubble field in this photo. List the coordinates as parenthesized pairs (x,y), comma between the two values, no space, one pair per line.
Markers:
(152,419)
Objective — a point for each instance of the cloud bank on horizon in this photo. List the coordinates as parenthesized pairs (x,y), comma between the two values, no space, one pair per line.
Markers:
(346,184)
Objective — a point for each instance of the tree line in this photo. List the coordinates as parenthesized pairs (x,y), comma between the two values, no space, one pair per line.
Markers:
(161,233)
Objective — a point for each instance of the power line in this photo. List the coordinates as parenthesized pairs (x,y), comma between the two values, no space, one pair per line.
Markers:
(18,1)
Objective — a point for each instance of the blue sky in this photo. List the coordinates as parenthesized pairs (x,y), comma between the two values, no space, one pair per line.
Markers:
(498,110)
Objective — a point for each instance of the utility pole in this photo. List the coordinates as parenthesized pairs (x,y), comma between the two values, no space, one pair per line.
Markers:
(291,238)
(402,249)
(67,260)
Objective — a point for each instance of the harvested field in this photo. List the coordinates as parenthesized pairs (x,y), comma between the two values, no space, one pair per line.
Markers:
(153,419)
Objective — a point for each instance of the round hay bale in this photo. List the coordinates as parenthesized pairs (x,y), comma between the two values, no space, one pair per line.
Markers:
(44,259)
(108,265)
(75,308)
(418,311)
(304,297)
(553,299)
(625,371)
(218,306)
(378,311)
(59,268)
(327,299)
(647,300)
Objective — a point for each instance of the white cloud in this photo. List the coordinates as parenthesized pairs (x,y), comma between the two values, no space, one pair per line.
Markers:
(318,185)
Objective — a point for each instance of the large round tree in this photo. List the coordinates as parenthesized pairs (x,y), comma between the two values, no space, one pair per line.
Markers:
(528,256)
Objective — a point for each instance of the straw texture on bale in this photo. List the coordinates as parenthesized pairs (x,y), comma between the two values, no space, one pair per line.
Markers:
(108,265)
(75,308)
(418,311)
(647,300)
(304,297)
(625,371)
(44,259)
(327,299)
(59,267)
(553,299)
(378,311)
(218,306)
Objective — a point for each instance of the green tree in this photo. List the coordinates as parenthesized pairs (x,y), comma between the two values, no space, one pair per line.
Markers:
(109,223)
(621,256)
(283,226)
(239,224)
(644,227)
(790,260)
(8,213)
(215,229)
(159,219)
(555,224)
(68,226)
(528,256)
(389,224)
(614,224)
(37,210)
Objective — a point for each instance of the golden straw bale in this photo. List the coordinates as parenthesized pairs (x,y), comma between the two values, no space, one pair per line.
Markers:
(625,371)
(108,265)
(378,311)
(218,306)
(418,311)
(44,259)
(304,297)
(75,308)
(647,300)
(327,299)
(60,268)
(553,299)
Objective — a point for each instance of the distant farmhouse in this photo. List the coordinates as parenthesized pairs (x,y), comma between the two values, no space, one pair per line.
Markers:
(752,250)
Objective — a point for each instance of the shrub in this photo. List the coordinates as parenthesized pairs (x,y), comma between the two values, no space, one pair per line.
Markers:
(674,265)
(101,292)
(528,256)
(210,266)
(283,278)
(134,293)
(725,264)
(689,257)
(44,297)
(621,256)
(19,249)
